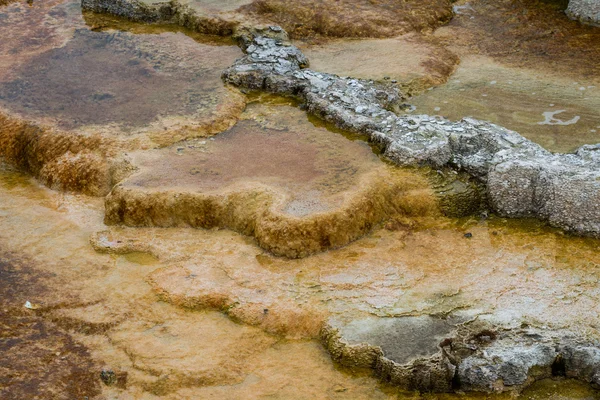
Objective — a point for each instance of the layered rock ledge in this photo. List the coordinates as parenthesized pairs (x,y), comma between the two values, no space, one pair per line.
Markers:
(430,310)
(522,178)
(297,188)
(302,18)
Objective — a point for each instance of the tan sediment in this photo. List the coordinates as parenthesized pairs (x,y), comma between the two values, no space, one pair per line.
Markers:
(215,292)
(97,311)
(526,272)
(385,273)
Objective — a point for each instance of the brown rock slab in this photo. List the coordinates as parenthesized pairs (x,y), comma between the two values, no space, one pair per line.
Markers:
(296,187)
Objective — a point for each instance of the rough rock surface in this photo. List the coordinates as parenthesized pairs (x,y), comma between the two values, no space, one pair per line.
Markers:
(522,178)
(462,353)
(586,11)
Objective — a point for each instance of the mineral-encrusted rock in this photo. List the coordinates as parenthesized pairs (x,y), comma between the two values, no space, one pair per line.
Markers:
(586,11)
(402,351)
(444,354)
(581,361)
(522,178)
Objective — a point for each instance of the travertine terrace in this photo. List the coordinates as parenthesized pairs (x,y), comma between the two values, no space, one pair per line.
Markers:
(297,188)
(72,104)
(258,199)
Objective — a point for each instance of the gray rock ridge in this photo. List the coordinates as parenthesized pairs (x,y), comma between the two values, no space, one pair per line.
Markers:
(468,356)
(134,10)
(586,11)
(522,178)
(166,12)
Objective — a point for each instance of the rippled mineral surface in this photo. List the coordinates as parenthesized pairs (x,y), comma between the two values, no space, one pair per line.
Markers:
(165,235)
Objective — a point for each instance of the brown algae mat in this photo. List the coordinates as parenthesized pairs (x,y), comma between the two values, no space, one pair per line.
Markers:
(351,18)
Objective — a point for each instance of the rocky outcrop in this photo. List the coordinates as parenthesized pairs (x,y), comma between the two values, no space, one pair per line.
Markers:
(586,11)
(454,354)
(522,178)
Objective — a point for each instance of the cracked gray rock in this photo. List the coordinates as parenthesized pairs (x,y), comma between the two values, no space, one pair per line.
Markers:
(522,178)
(586,11)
